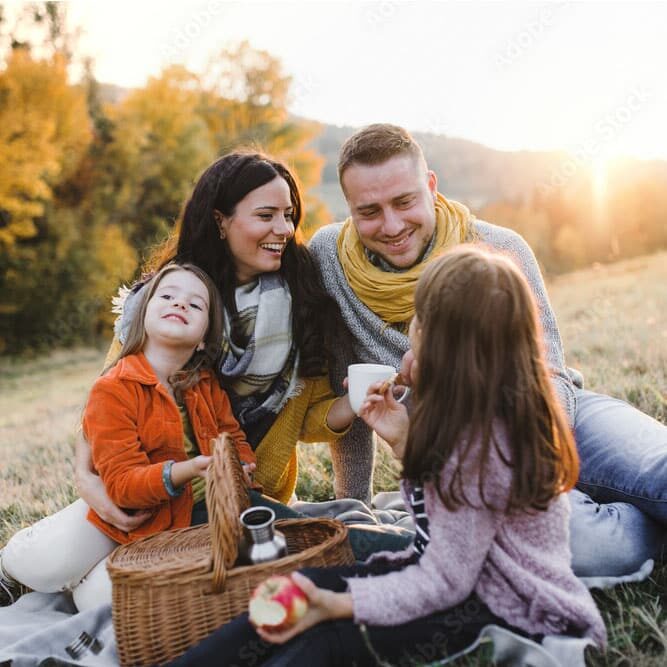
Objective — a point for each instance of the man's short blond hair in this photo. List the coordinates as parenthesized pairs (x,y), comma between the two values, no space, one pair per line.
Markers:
(376,144)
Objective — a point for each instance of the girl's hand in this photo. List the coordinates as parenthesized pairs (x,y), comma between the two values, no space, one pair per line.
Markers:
(184,471)
(200,465)
(323,605)
(248,471)
(387,417)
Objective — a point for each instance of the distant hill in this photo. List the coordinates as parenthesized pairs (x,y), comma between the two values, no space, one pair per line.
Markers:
(467,171)
(476,174)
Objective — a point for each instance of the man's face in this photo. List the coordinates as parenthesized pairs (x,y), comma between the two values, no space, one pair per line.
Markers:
(392,207)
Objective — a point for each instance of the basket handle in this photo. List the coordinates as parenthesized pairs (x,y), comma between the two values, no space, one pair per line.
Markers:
(226,498)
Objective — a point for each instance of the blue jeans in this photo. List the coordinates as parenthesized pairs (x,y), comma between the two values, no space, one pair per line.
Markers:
(619,512)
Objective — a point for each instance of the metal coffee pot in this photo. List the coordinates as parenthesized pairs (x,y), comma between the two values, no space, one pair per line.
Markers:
(260,542)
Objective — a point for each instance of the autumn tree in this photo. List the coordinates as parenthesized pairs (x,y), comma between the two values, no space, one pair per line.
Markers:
(245,95)
(53,256)
(44,131)
(158,145)
(88,186)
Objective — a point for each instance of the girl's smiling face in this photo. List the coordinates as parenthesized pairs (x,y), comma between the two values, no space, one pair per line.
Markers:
(177,313)
(259,229)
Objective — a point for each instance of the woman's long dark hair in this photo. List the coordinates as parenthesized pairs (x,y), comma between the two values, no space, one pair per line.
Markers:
(197,240)
(480,359)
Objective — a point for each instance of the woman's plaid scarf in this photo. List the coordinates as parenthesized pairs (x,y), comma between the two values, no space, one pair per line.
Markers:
(259,361)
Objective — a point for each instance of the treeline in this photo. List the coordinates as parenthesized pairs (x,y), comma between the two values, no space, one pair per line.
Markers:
(88,185)
(603,217)
(91,177)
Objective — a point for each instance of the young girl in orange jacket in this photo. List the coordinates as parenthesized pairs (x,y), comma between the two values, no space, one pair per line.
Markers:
(149,419)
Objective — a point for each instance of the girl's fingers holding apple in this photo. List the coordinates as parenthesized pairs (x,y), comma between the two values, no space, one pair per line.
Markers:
(313,593)
(312,617)
(276,637)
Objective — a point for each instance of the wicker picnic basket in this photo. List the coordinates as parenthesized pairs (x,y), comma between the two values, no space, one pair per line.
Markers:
(172,589)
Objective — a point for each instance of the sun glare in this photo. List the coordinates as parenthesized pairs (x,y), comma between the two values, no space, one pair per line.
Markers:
(599,170)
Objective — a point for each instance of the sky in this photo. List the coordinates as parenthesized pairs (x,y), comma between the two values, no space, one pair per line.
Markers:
(588,77)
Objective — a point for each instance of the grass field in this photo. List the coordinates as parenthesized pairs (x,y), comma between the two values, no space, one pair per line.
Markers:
(614,324)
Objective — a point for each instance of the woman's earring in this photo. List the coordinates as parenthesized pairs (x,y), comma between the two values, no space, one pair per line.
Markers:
(218,221)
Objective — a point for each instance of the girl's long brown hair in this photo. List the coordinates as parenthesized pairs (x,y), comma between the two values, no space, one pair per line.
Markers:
(481,359)
(135,340)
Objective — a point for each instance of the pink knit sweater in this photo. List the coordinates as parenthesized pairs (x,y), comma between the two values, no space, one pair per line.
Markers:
(518,564)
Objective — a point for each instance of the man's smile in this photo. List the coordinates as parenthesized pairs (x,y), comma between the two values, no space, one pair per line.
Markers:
(399,242)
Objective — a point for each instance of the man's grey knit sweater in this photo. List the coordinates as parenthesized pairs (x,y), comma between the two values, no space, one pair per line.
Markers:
(373,341)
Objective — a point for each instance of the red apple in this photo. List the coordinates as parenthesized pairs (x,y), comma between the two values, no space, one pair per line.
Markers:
(277,604)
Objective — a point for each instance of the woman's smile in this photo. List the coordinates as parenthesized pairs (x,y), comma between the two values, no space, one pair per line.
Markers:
(258,231)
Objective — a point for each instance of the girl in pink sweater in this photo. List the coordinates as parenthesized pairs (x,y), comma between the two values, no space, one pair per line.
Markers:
(487,456)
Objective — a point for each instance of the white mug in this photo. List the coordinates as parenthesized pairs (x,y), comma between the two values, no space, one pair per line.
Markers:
(362,376)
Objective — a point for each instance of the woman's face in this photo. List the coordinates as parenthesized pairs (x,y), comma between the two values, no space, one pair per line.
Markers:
(259,230)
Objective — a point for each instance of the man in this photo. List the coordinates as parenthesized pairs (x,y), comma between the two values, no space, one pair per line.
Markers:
(370,264)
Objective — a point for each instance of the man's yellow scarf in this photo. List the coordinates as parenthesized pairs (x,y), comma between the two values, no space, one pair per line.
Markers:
(391,295)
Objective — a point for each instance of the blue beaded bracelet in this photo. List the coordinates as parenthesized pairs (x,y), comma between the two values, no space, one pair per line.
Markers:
(166,480)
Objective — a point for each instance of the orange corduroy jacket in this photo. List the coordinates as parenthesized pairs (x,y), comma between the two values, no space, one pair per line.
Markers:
(133,426)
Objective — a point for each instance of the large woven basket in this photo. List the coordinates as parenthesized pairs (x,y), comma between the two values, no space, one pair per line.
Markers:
(173,589)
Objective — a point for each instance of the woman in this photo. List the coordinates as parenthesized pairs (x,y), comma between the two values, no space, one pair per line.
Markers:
(241,226)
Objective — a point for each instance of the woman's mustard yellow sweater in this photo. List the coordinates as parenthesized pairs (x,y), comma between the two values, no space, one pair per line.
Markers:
(304,418)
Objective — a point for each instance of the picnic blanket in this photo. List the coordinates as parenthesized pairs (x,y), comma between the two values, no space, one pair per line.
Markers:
(44,630)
